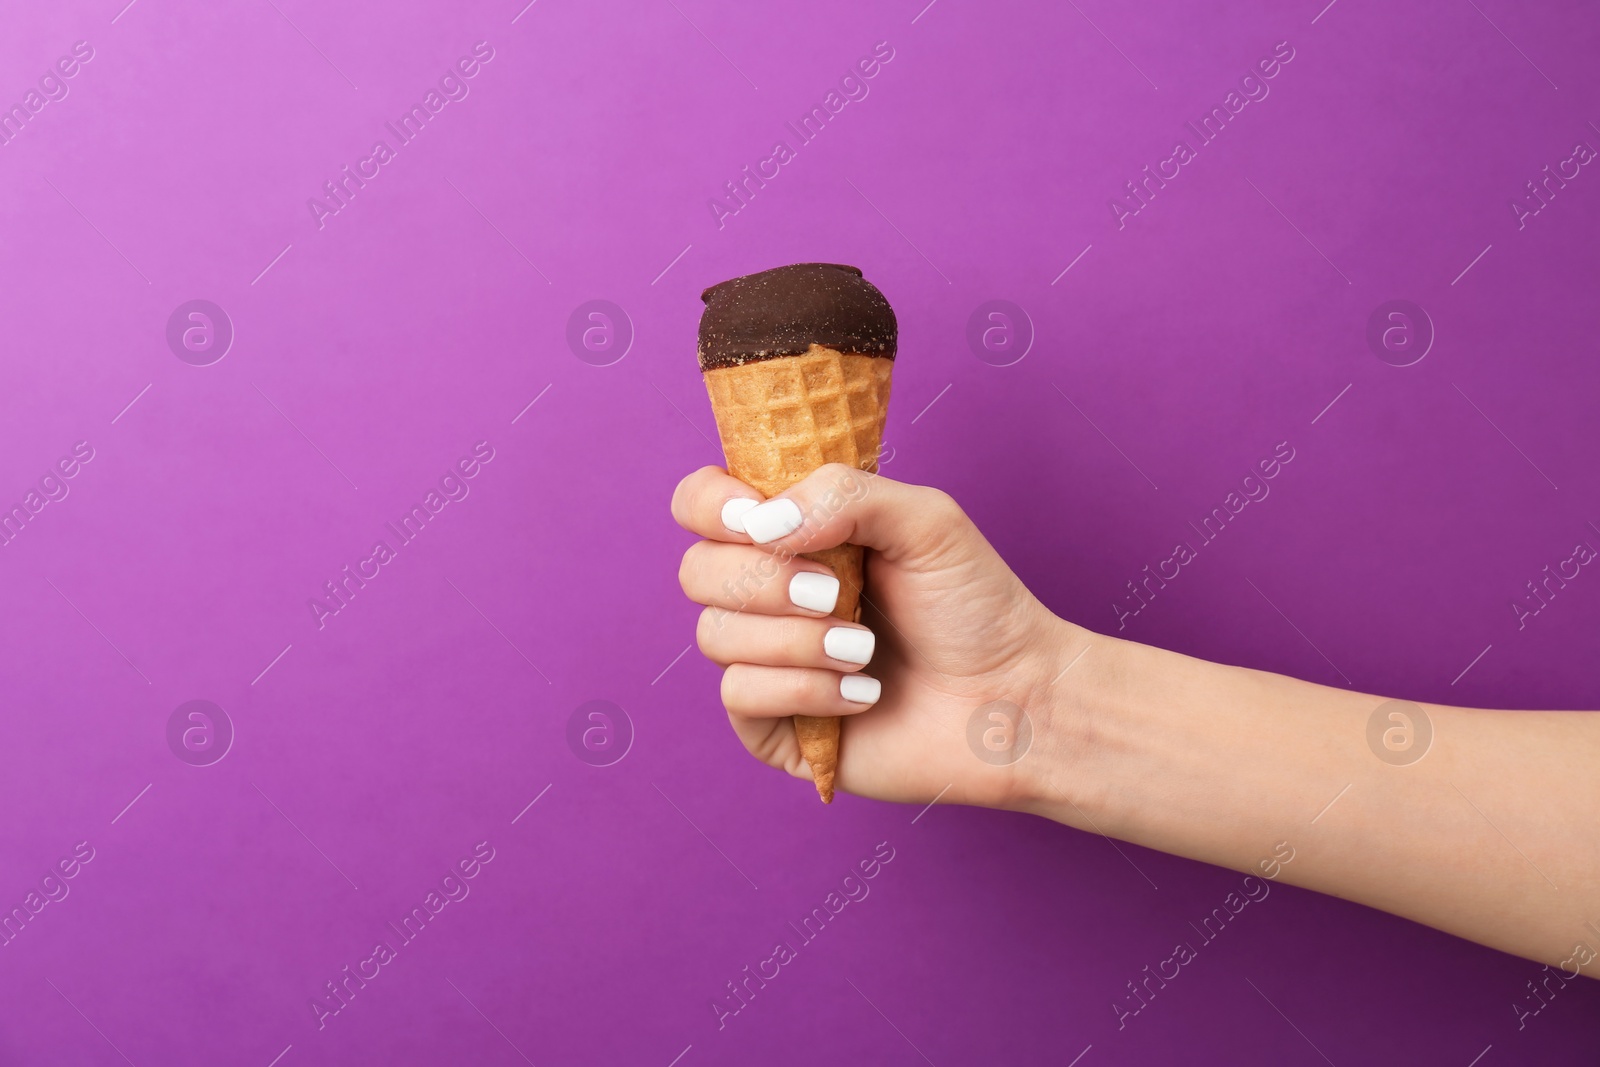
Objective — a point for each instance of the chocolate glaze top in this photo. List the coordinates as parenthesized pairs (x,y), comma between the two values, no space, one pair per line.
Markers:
(784,311)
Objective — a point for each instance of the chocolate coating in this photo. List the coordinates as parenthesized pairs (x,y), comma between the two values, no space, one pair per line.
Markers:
(784,311)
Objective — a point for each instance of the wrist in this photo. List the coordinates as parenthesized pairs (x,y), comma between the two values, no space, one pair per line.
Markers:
(1125,730)
(1080,708)
(1199,759)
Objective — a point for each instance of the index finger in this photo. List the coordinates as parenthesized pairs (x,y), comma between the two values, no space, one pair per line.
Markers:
(712,503)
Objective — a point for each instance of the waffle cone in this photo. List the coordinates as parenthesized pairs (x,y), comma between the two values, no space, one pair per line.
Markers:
(779,420)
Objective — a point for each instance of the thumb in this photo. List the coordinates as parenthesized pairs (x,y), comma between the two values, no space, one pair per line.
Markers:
(838,505)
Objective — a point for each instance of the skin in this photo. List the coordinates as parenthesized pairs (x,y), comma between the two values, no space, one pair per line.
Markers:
(1491,835)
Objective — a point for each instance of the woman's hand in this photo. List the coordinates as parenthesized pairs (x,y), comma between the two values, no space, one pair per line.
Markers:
(946,629)
(1486,832)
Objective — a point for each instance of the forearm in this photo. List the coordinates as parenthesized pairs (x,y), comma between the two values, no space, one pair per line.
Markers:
(1493,834)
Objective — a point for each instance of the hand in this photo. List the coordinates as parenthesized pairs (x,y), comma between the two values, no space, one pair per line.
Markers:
(1252,771)
(948,627)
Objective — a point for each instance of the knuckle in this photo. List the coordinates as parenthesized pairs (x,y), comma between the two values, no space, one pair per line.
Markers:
(688,495)
(731,690)
(704,484)
(681,495)
(799,687)
(844,483)
(941,502)
(788,633)
(834,473)
(689,568)
(938,510)
(707,628)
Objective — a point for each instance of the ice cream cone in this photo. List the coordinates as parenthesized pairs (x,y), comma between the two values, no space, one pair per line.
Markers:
(779,420)
(797,362)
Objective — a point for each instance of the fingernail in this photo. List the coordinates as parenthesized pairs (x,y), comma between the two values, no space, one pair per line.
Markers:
(733,512)
(859,689)
(813,591)
(849,645)
(771,520)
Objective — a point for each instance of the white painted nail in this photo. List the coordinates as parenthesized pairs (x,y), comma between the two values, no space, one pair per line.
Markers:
(849,645)
(733,512)
(859,689)
(771,520)
(813,591)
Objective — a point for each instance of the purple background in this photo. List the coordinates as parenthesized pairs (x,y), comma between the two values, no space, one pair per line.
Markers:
(427,314)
